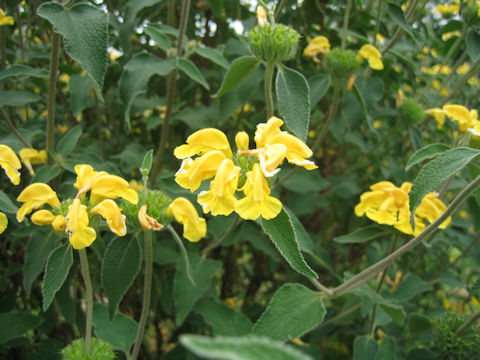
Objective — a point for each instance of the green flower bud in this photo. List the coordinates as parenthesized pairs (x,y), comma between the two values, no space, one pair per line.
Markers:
(99,350)
(411,111)
(341,63)
(157,203)
(273,43)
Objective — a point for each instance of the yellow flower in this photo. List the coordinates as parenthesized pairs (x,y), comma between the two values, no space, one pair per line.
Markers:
(112,214)
(3,222)
(85,177)
(79,233)
(220,199)
(5,20)
(35,196)
(373,56)
(257,201)
(261,16)
(463,69)
(146,221)
(451,34)
(242,140)
(193,172)
(204,141)
(447,9)
(438,115)
(318,45)
(194,227)
(111,187)
(10,163)
(31,156)
(465,119)
(42,217)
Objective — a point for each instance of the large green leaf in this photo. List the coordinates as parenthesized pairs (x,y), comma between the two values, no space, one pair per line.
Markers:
(418,323)
(437,171)
(46,173)
(80,88)
(425,153)
(120,331)
(191,70)
(212,55)
(319,85)
(386,349)
(240,69)
(364,347)
(281,232)
(69,141)
(84,28)
(411,286)
(15,324)
(293,98)
(121,264)
(362,235)
(135,78)
(222,318)
(58,265)
(473,45)
(160,39)
(184,292)
(18,97)
(7,205)
(396,14)
(39,247)
(293,311)
(23,70)
(236,348)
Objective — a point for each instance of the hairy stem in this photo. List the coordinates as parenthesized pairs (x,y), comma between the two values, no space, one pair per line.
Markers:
(377,23)
(269,68)
(183,251)
(147,291)
(346,18)
(89,298)
(52,86)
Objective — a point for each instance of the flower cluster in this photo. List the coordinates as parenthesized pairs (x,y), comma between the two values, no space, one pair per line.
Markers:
(390,205)
(467,120)
(246,171)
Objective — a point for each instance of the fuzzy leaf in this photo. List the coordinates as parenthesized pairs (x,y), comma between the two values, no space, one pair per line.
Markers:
(425,153)
(191,70)
(18,97)
(15,324)
(161,40)
(212,55)
(7,205)
(364,347)
(361,235)
(240,69)
(56,272)
(23,70)
(68,142)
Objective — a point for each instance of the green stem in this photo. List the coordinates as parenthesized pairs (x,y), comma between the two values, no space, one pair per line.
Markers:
(339,316)
(377,23)
(278,10)
(183,251)
(321,287)
(12,127)
(346,18)
(147,291)
(52,85)
(89,298)
(3,52)
(373,270)
(98,115)
(269,68)
(468,323)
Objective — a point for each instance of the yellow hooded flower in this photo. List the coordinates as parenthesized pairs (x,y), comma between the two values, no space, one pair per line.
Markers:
(147,222)
(447,9)
(112,214)
(193,172)
(194,227)
(35,196)
(373,56)
(257,201)
(220,199)
(111,187)
(80,235)
(31,156)
(438,115)
(465,119)
(3,222)
(10,163)
(270,157)
(5,20)
(242,140)
(318,45)
(202,142)
(266,131)
(45,217)
(261,16)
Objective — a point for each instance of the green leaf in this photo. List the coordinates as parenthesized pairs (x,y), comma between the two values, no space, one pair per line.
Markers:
(23,70)
(18,97)
(437,171)
(386,350)
(46,173)
(147,163)
(362,235)
(411,286)
(293,98)
(319,85)
(58,265)
(304,181)
(222,318)
(425,153)
(164,29)
(239,71)
(280,231)
(84,28)
(293,311)
(67,143)
(160,39)
(6,205)
(80,88)
(191,70)
(418,323)
(364,347)
(245,348)
(396,14)
(121,264)
(212,55)
(184,292)
(135,77)
(39,247)
(303,237)
(473,45)
(120,331)
(15,324)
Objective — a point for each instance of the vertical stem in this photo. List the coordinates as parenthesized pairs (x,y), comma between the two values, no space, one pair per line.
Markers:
(278,10)
(89,298)
(269,68)
(52,82)
(468,323)
(377,22)
(3,53)
(147,290)
(98,115)
(346,18)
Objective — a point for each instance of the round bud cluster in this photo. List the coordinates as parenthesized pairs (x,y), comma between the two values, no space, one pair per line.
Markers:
(273,43)
(341,63)
(157,203)
(411,111)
